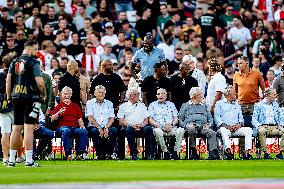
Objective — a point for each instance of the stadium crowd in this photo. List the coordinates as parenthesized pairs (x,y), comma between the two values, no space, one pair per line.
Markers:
(116,69)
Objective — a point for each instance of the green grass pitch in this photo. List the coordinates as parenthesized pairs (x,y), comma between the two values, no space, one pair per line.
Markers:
(116,171)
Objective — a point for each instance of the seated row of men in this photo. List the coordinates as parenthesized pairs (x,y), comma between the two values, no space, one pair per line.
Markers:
(162,119)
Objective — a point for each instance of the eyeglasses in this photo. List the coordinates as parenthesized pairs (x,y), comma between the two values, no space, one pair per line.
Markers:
(179,53)
(62,5)
(9,40)
(108,27)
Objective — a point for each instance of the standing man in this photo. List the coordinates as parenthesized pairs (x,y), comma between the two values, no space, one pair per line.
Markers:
(25,87)
(147,57)
(71,80)
(246,83)
(112,82)
(181,84)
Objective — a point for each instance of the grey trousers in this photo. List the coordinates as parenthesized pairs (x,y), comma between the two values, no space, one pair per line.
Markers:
(208,133)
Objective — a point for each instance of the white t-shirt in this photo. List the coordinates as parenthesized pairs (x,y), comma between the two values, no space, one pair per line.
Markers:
(110,39)
(241,35)
(217,83)
(168,50)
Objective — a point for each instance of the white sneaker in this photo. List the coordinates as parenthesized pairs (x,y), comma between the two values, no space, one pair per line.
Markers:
(33,164)
(19,160)
(114,156)
(5,162)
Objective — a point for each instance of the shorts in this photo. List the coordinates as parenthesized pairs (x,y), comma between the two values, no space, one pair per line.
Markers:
(6,122)
(22,110)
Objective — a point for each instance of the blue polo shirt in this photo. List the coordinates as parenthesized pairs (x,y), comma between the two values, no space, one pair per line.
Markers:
(147,61)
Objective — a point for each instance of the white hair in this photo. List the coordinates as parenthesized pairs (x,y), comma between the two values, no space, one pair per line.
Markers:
(100,87)
(189,58)
(195,90)
(130,91)
(66,89)
(162,90)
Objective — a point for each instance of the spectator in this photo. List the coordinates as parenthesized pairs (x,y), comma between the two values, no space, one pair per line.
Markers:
(89,8)
(196,119)
(259,42)
(147,57)
(265,8)
(173,65)
(229,74)
(175,18)
(208,25)
(118,23)
(133,116)
(195,47)
(97,46)
(151,83)
(184,39)
(75,48)
(109,37)
(127,45)
(87,28)
(167,47)
(229,120)
(226,46)
(162,20)
(213,51)
(264,64)
(100,113)
(189,23)
(239,35)
(270,78)
(79,20)
(107,54)
(164,119)
(181,84)
(226,19)
(268,121)
(131,34)
(145,21)
(89,60)
(70,123)
(120,45)
(276,62)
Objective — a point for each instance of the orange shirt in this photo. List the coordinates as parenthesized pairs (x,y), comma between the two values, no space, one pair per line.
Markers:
(247,86)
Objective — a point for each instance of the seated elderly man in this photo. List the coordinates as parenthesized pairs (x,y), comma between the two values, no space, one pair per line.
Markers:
(133,116)
(100,113)
(70,124)
(195,117)
(229,120)
(164,118)
(267,120)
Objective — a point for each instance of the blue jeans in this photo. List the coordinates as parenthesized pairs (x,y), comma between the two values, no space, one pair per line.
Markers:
(146,132)
(45,136)
(103,146)
(67,133)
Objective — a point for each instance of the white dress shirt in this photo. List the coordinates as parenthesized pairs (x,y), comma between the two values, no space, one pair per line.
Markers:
(163,113)
(101,112)
(133,113)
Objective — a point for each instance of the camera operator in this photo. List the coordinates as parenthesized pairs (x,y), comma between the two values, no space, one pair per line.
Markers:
(25,88)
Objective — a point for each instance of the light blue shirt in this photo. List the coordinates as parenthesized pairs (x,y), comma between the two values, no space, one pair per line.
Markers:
(100,112)
(147,61)
(262,114)
(228,113)
(163,113)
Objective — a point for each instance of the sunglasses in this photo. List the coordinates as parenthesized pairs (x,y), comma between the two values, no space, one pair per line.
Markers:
(89,47)
(108,27)
(62,5)
(9,40)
